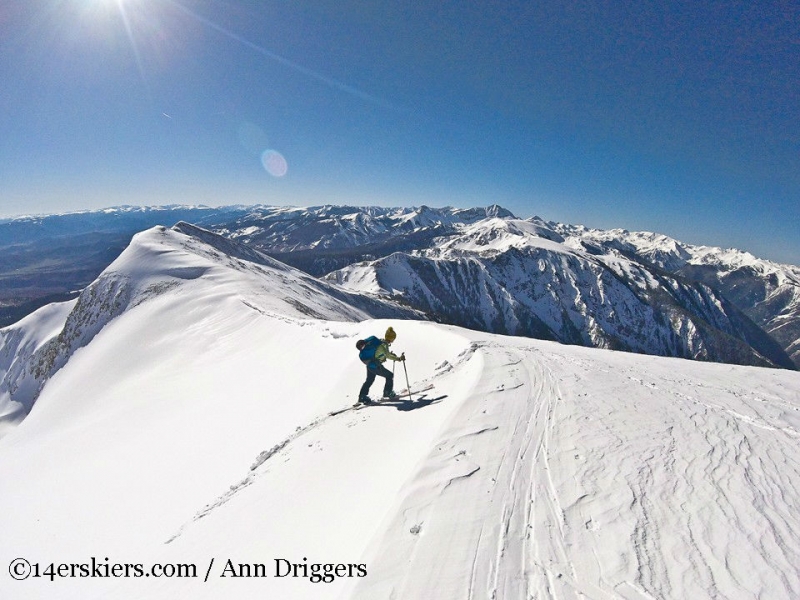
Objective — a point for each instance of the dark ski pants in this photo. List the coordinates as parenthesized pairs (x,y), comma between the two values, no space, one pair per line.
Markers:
(374,369)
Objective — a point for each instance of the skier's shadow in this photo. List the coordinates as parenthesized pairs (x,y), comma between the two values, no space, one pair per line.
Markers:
(407,405)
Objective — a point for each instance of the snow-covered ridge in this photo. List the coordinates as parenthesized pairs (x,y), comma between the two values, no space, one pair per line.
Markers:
(671,254)
(768,292)
(494,236)
(161,262)
(23,347)
(282,229)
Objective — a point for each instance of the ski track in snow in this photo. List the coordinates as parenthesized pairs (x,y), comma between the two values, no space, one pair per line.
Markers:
(506,493)
(262,458)
(266,455)
(495,522)
(537,490)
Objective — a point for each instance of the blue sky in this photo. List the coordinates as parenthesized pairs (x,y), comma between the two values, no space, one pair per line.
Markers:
(677,117)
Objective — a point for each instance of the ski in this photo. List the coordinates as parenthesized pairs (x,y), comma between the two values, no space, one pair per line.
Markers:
(399,398)
(416,391)
(339,411)
(356,406)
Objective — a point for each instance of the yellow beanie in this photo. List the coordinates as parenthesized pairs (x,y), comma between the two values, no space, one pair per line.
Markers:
(390,335)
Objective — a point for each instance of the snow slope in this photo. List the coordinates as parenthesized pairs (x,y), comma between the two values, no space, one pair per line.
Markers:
(194,425)
(18,344)
(175,265)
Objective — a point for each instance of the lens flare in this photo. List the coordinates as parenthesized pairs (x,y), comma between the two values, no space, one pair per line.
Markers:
(274,163)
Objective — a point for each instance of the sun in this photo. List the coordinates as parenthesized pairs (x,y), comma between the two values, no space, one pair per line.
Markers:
(112,2)
(104,5)
(106,8)
(140,28)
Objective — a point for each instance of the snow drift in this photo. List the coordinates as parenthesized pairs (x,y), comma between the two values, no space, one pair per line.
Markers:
(193,427)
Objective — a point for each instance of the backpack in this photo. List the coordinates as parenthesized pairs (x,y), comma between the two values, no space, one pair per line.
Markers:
(367,353)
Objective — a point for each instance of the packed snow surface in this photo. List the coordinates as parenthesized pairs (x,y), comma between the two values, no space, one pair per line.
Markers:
(194,429)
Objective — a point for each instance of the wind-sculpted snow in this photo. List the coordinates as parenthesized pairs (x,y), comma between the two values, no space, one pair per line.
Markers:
(576,475)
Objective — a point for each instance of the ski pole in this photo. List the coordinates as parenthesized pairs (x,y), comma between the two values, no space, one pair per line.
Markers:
(408,385)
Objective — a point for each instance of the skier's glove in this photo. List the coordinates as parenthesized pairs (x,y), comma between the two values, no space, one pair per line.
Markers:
(403,357)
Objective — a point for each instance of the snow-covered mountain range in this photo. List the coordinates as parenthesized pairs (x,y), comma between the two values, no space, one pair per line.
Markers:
(485,269)
(488,270)
(182,426)
(767,292)
(519,278)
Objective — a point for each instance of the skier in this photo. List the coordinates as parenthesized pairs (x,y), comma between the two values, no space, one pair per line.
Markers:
(374,352)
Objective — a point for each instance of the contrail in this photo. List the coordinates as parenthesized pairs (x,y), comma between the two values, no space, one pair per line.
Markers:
(334,83)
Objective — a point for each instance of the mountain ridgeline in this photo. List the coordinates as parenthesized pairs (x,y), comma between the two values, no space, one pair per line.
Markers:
(485,269)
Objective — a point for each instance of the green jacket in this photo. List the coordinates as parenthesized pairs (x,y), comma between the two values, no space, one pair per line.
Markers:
(383,352)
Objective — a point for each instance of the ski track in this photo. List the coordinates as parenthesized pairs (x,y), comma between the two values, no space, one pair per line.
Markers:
(536,489)
(507,525)
(266,455)
(548,492)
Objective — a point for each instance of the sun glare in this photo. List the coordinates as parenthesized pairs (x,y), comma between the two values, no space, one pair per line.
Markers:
(106,4)
(100,8)
(146,27)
